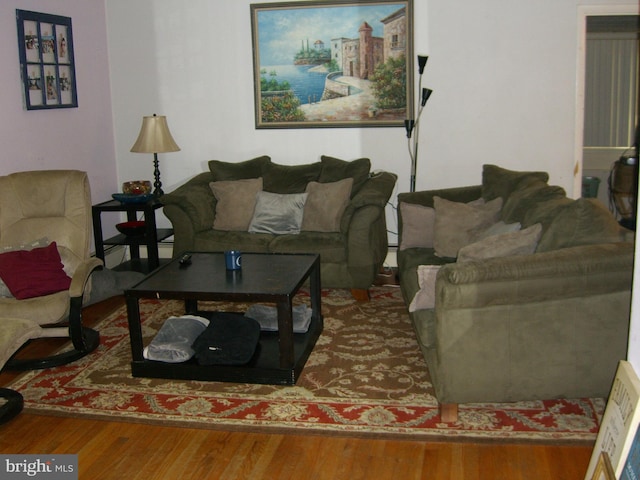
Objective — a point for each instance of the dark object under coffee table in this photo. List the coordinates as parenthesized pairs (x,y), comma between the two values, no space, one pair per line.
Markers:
(264,278)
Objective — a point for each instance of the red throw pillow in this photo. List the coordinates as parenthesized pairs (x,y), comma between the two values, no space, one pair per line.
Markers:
(33,273)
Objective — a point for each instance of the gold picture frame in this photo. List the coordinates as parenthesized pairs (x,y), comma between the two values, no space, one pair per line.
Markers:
(603,470)
(335,63)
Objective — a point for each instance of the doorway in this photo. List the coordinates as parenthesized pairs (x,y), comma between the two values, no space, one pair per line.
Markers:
(595,154)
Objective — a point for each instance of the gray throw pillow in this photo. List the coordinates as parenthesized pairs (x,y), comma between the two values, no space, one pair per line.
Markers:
(236,201)
(455,223)
(425,297)
(521,242)
(325,205)
(277,213)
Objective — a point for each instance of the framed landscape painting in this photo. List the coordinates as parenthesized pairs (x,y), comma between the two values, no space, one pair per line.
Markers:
(333,63)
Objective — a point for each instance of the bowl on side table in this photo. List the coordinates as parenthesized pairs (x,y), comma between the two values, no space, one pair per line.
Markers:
(131,229)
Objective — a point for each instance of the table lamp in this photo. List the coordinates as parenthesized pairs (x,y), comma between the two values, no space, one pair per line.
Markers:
(155,137)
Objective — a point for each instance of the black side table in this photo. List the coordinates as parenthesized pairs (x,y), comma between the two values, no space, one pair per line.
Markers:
(150,238)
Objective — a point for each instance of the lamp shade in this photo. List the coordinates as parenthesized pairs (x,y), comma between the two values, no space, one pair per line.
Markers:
(154,136)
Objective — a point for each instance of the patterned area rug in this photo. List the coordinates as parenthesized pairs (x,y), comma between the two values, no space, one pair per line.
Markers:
(366,376)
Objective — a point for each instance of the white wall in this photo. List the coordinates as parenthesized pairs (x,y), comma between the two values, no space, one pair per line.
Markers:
(75,138)
(504,76)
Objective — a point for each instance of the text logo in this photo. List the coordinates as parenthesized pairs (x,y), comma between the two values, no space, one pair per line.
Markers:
(49,467)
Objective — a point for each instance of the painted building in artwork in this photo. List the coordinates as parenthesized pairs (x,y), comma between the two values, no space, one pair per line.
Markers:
(358,57)
(395,34)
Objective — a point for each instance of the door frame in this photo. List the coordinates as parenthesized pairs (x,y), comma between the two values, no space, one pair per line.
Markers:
(585,11)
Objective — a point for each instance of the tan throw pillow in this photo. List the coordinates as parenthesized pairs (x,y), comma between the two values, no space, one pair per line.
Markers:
(236,203)
(418,223)
(455,223)
(325,205)
(522,242)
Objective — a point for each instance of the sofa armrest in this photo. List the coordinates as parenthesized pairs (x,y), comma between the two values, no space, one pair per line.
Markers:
(540,326)
(82,274)
(191,208)
(195,199)
(565,273)
(376,192)
(365,228)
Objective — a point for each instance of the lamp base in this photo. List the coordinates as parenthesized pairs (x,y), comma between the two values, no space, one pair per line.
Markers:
(156,175)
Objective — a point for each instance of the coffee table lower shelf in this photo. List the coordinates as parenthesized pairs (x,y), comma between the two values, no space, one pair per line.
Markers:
(264,367)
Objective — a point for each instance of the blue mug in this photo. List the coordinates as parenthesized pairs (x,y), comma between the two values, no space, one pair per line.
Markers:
(233,259)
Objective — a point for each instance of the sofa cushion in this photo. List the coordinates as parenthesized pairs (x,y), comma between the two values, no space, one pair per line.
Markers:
(330,246)
(521,242)
(500,182)
(585,222)
(218,241)
(277,213)
(334,169)
(530,192)
(545,212)
(290,178)
(34,273)
(455,221)
(254,168)
(418,223)
(325,205)
(236,201)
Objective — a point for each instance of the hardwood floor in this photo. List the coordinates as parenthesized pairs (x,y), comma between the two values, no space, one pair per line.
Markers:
(115,450)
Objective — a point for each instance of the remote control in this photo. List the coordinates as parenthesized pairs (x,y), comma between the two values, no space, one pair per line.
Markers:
(185,259)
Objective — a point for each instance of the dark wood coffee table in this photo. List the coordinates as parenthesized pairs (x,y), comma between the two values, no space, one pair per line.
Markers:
(264,278)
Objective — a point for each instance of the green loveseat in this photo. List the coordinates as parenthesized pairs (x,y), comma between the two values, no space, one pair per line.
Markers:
(549,322)
(346,227)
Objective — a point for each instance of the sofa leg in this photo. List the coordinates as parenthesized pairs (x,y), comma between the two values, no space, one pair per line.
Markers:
(360,294)
(448,412)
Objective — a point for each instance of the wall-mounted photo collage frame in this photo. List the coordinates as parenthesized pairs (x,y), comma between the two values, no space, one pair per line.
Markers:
(45,45)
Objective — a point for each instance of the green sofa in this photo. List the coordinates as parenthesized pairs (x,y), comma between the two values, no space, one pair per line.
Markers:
(549,321)
(347,227)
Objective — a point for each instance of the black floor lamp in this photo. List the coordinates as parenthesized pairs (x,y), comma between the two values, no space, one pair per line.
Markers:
(413,125)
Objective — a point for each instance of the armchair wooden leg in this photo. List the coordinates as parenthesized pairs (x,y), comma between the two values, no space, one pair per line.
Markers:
(360,294)
(448,412)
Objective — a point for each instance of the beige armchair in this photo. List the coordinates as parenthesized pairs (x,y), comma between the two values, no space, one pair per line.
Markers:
(47,206)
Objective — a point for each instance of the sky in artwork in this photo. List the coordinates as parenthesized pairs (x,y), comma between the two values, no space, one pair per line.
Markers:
(282,31)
